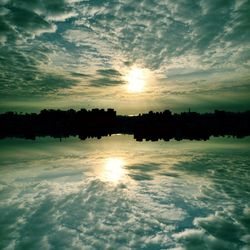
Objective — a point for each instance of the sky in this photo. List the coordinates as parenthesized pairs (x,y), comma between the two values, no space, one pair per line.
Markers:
(133,56)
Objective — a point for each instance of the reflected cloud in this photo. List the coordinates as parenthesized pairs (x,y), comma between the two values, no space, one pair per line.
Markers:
(75,194)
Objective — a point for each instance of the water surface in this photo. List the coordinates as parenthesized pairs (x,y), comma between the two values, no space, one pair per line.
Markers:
(116,193)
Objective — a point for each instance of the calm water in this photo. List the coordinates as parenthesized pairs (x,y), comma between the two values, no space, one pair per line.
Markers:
(116,193)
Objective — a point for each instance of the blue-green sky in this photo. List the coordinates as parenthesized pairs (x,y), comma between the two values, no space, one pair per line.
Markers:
(78,53)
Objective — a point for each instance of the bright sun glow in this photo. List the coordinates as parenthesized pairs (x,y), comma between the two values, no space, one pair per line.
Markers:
(113,169)
(136,80)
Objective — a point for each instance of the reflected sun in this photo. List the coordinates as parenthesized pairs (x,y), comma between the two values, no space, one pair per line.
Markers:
(113,169)
(136,80)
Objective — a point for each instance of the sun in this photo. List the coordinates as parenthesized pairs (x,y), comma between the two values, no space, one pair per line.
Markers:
(136,80)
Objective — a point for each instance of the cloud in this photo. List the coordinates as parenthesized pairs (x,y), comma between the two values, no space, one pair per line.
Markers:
(152,166)
(22,20)
(107,77)
(167,30)
(23,73)
(198,239)
(105,81)
(108,72)
(190,47)
(222,228)
(58,10)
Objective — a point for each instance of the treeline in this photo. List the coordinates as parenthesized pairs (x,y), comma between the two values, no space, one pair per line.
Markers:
(99,122)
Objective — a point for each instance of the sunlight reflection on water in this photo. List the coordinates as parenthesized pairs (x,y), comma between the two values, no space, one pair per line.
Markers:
(113,170)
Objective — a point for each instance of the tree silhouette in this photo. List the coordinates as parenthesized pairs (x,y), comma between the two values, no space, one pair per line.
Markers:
(99,122)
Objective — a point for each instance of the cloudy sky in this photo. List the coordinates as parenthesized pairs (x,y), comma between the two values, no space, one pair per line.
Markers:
(133,56)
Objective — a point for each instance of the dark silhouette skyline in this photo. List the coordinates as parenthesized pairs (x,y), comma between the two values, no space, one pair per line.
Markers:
(151,126)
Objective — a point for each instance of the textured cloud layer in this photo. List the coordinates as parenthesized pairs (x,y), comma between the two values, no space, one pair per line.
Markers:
(82,49)
(190,195)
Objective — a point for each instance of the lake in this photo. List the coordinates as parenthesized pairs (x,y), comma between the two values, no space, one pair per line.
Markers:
(116,193)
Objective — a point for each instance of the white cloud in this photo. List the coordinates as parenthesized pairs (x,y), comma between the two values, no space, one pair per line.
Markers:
(166,37)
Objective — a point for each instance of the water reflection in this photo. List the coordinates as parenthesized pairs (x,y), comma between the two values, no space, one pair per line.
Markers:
(179,195)
(113,170)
